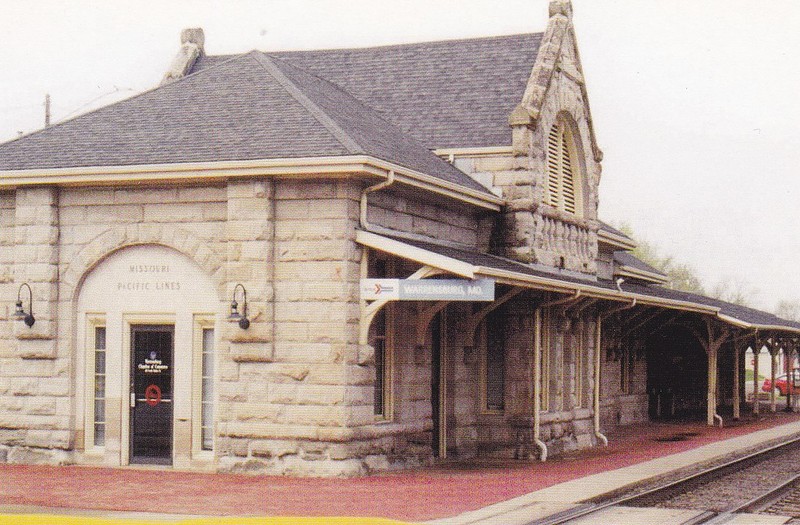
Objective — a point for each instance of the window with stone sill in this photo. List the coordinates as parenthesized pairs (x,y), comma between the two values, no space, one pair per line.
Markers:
(564,181)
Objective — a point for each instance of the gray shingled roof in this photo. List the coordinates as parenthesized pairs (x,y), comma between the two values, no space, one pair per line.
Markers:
(612,230)
(742,313)
(249,107)
(448,94)
(624,258)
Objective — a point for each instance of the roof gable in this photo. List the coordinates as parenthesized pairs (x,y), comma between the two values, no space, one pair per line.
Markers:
(558,52)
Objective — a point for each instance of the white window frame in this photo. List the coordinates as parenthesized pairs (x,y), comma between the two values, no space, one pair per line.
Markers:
(93,321)
(203,322)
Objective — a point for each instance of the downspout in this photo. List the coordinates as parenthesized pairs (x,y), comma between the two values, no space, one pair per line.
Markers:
(597,350)
(365,225)
(537,371)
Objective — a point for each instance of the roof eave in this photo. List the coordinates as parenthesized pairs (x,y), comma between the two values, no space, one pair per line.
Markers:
(614,240)
(219,170)
(464,269)
(636,273)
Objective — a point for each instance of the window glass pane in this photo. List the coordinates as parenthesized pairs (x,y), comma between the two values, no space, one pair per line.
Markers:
(99,434)
(208,365)
(380,366)
(99,387)
(495,363)
(100,338)
(99,410)
(100,362)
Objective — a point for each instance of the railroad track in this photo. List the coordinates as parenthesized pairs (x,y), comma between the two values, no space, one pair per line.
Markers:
(783,498)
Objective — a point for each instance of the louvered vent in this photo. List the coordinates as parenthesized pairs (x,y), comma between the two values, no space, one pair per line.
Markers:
(553,163)
(561,177)
(567,180)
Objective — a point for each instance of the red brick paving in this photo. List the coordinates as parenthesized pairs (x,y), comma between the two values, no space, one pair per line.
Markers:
(415,495)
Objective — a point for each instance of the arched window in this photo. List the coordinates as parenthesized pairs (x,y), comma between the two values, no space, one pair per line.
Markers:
(563,171)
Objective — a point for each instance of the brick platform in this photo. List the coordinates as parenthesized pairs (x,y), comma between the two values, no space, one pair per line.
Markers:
(446,490)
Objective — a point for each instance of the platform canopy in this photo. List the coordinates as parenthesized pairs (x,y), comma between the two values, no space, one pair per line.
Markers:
(476,265)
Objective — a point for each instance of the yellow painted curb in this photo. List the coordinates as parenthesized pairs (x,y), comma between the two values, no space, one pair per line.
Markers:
(49,519)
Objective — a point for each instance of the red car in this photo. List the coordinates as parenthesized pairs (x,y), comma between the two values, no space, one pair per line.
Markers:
(782,386)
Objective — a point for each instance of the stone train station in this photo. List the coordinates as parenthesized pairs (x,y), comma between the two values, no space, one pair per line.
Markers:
(337,262)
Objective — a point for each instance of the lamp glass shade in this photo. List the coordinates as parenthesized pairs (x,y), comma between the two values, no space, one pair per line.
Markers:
(19,312)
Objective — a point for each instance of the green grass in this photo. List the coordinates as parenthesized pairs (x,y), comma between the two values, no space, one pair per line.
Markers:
(748,376)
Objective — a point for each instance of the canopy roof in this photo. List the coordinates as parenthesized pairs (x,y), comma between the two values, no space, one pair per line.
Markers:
(472,265)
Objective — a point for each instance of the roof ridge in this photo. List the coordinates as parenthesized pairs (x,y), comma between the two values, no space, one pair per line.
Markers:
(272,52)
(267,63)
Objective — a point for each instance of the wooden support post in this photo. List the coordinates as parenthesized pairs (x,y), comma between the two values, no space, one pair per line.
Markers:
(737,351)
(711,343)
(712,385)
(773,369)
(756,356)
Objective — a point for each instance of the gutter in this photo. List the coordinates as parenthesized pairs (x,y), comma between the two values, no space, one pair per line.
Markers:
(365,225)
(537,370)
(601,316)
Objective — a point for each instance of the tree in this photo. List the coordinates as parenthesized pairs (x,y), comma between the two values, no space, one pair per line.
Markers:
(681,276)
(787,309)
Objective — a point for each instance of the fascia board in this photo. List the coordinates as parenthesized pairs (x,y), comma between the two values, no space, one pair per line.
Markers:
(614,240)
(629,271)
(193,171)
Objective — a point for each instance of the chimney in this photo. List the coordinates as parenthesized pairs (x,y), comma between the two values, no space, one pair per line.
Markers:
(192,47)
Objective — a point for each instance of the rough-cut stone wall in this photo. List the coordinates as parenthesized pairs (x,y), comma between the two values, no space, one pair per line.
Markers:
(619,407)
(567,424)
(428,219)
(286,410)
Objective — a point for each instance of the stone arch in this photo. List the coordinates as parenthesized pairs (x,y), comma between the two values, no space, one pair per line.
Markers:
(116,238)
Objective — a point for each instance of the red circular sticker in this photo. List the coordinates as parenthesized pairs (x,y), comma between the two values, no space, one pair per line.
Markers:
(152,395)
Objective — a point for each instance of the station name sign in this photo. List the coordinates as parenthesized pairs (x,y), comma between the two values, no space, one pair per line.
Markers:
(428,289)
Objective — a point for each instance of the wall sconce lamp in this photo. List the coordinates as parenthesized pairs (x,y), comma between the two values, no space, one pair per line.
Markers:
(20,314)
(244,322)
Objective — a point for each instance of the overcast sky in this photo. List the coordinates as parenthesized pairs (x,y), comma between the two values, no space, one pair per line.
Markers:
(695,102)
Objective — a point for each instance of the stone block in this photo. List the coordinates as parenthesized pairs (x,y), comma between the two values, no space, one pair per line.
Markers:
(60,439)
(205,193)
(248,352)
(14,367)
(306,394)
(117,213)
(326,416)
(36,234)
(305,353)
(232,391)
(35,344)
(244,230)
(285,372)
(258,411)
(39,456)
(273,448)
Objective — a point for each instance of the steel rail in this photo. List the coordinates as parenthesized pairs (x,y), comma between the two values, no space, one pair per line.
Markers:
(669,489)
